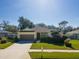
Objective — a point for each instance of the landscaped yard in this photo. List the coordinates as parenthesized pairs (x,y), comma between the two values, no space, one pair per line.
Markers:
(6,42)
(2,46)
(54,55)
(75,45)
(46,46)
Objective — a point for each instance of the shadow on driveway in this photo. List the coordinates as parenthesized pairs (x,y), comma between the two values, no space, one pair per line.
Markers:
(25,41)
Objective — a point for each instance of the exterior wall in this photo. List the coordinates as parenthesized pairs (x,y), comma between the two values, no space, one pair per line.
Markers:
(43,34)
(3,34)
(74,36)
(12,35)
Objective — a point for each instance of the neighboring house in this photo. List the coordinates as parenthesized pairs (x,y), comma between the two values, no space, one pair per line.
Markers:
(12,35)
(73,34)
(34,33)
(3,33)
(7,34)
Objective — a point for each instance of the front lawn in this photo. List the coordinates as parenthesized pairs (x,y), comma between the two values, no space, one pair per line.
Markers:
(54,55)
(75,45)
(5,45)
(7,42)
(46,46)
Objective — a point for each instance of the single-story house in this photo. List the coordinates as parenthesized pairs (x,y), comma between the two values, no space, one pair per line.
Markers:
(7,34)
(12,35)
(3,33)
(73,34)
(34,33)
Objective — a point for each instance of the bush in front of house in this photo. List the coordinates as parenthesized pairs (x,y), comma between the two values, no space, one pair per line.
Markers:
(58,37)
(0,38)
(55,32)
(12,39)
(46,39)
(7,39)
(3,40)
(67,44)
(58,40)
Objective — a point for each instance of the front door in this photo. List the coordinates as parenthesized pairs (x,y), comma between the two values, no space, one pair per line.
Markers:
(38,36)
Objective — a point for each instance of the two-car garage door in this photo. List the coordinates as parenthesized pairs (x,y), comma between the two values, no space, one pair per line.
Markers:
(27,36)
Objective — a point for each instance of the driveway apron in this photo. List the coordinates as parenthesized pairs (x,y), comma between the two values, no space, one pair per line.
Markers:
(16,51)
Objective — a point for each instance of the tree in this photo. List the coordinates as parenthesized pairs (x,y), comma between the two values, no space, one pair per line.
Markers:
(68,29)
(24,23)
(8,27)
(51,27)
(12,28)
(62,25)
(5,24)
(1,26)
(41,25)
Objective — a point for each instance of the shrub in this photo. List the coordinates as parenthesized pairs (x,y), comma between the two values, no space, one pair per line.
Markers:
(3,41)
(53,33)
(12,39)
(67,44)
(59,39)
(46,39)
(0,41)
(0,38)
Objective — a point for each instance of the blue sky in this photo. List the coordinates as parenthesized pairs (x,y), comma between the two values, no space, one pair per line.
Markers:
(40,11)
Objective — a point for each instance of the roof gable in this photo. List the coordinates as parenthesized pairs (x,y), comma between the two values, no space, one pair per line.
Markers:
(41,29)
(37,29)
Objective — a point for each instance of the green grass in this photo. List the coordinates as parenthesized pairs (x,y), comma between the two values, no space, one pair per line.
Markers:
(54,55)
(3,46)
(75,44)
(46,46)
(9,43)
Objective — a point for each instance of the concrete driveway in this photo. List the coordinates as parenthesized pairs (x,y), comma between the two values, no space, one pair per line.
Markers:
(18,50)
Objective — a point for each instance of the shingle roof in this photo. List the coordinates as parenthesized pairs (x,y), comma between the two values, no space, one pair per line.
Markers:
(28,29)
(41,29)
(73,32)
(37,29)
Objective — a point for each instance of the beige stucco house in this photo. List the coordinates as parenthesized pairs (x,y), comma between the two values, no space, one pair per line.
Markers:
(34,33)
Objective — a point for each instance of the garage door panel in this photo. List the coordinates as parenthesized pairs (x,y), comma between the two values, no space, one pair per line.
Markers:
(27,36)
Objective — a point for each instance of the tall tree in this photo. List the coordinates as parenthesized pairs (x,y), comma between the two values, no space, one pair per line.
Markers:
(24,23)
(41,25)
(12,28)
(51,27)
(62,25)
(68,28)
(5,24)
(1,26)
(8,27)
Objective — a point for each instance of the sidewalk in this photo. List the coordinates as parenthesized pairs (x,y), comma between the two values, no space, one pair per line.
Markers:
(50,50)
